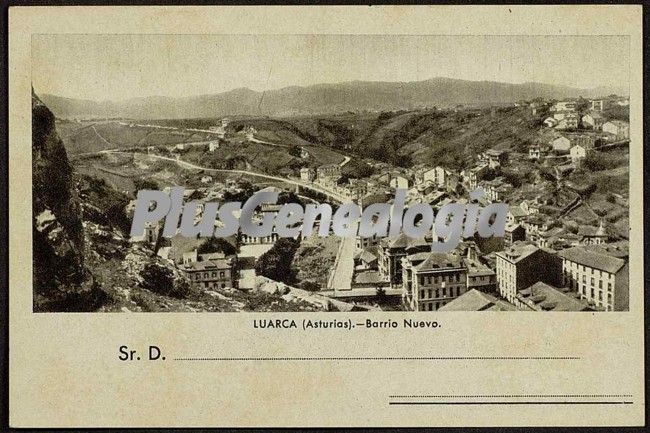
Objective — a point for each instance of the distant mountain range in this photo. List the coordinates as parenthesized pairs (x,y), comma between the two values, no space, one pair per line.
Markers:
(321,99)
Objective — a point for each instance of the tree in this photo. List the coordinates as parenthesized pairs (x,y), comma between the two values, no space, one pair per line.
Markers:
(216,245)
(294,151)
(141,184)
(160,279)
(596,161)
(310,286)
(276,262)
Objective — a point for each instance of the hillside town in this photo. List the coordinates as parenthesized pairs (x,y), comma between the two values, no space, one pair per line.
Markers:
(565,246)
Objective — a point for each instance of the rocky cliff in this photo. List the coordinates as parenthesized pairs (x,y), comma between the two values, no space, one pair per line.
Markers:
(61,280)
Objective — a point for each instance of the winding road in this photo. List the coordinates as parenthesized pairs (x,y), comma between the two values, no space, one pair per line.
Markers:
(342,273)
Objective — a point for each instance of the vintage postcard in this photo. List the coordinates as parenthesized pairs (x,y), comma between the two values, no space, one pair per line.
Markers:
(326,216)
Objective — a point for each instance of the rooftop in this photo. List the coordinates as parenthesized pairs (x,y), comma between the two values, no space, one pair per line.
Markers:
(592,259)
(517,252)
(439,261)
(208,265)
(475,300)
(541,296)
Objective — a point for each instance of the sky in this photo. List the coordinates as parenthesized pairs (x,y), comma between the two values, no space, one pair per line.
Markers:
(117,67)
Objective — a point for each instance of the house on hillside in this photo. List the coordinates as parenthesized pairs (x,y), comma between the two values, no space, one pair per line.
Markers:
(306,174)
(399,182)
(618,128)
(570,121)
(515,214)
(494,158)
(564,106)
(593,120)
(476,174)
(597,104)
(534,152)
(579,151)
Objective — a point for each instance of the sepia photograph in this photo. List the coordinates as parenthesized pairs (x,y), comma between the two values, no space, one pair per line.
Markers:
(405,216)
(406,125)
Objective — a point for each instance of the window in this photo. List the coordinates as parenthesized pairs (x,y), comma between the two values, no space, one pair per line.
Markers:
(222,274)
(592,281)
(444,291)
(600,284)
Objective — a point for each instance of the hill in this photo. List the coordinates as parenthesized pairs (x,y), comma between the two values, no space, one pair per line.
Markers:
(320,99)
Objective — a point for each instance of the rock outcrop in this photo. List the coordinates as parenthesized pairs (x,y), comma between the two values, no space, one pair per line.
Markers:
(61,280)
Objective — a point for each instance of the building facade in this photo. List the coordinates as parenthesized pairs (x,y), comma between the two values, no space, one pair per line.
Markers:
(599,278)
(522,265)
(431,280)
(210,274)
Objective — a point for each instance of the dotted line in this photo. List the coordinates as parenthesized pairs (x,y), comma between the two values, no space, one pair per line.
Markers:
(379,358)
(509,395)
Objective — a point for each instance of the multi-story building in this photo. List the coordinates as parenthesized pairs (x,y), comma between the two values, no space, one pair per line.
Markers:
(513,233)
(329,171)
(564,106)
(399,182)
(522,265)
(599,278)
(534,152)
(593,120)
(431,280)
(425,174)
(475,175)
(494,158)
(441,176)
(392,250)
(620,129)
(480,277)
(210,274)
(597,104)
(150,235)
(364,242)
(306,174)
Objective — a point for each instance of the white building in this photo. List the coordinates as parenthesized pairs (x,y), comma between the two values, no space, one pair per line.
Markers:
(600,279)
(306,174)
(578,152)
(618,128)
(399,182)
(593,120)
